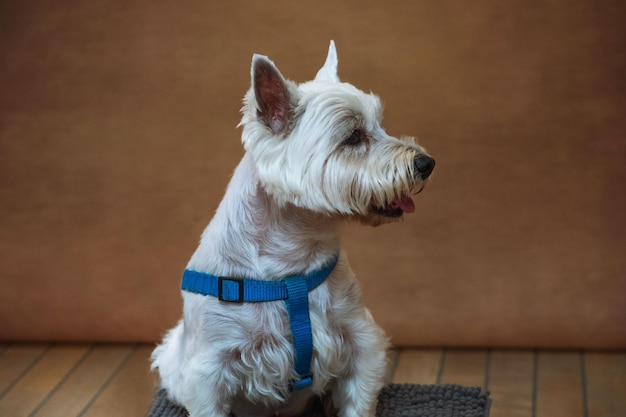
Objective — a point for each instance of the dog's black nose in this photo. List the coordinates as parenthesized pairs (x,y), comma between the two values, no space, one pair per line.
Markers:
(424,165)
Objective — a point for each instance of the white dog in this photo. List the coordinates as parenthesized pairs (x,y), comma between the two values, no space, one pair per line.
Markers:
(272,311)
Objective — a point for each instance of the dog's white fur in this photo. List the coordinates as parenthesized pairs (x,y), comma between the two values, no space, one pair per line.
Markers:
(282,215)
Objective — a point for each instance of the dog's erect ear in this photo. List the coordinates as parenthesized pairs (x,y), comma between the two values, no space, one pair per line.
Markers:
(271,94)
(329,71)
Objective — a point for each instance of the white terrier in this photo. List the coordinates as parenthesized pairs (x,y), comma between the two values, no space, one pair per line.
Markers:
(272,311)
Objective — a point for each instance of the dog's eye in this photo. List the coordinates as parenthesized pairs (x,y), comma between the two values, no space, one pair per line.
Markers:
(354,138)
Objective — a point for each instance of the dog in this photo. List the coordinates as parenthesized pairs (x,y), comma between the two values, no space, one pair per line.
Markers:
(316,157)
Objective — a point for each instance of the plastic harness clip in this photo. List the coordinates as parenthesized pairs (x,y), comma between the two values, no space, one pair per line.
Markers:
(220,290)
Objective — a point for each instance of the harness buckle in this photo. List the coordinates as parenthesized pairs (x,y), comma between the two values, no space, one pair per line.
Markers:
(220,290)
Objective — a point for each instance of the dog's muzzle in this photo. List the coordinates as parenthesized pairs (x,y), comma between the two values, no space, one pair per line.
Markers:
(424,165)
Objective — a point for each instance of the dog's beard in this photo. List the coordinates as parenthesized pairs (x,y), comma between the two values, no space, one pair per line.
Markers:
(389,212)
(373,219)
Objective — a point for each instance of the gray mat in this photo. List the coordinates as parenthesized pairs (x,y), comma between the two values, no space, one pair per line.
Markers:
(395,400)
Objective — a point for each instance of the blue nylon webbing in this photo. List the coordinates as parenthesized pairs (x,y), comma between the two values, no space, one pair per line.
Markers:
(294,290)
(300,322)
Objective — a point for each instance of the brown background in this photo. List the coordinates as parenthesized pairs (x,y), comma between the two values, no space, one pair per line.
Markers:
(117,139)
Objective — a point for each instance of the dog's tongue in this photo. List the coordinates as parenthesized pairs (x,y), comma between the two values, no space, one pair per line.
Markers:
(405,203)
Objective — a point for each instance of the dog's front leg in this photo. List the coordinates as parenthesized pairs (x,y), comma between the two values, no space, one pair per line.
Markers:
(205,404)
(208,412)
(356,390)
(207,391)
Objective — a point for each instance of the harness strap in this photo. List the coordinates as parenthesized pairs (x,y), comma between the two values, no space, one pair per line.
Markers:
(300,322)
(293,290)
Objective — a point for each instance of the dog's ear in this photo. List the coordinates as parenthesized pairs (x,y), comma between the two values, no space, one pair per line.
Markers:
(271,93)
(329,71)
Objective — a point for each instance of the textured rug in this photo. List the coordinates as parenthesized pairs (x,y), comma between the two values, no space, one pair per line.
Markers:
(395,400)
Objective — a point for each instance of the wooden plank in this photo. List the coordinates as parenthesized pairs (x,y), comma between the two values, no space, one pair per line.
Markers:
(392,363)
(33,387)
(129,393)
(511,383)
(85,381)
(464,367)
(606,384)
(66,381)
(418,366)
(559,385)
(15,361)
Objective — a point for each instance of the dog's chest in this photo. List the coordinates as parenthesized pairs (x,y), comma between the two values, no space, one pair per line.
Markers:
(260,333)
(273,342)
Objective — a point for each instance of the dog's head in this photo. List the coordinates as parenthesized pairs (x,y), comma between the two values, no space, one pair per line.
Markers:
(320,145)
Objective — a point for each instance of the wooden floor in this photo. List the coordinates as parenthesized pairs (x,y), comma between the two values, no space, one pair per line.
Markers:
(94,380)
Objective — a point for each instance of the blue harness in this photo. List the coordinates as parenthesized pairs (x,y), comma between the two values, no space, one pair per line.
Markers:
(294,290)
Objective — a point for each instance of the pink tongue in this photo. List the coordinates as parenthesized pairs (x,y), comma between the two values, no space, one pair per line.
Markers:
(405,203)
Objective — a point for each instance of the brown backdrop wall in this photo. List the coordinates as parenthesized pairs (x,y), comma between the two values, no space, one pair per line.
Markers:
(117,139)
